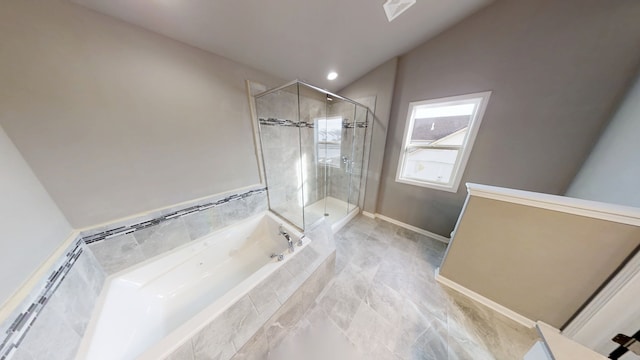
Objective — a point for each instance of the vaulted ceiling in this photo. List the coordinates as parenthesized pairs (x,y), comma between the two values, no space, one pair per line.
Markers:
(294,39)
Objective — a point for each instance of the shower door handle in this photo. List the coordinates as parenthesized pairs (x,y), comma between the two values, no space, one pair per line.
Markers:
(348,164)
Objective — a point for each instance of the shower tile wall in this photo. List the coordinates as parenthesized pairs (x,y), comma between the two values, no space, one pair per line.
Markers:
(338,186)
(358,132)
(312,108)
(368,137)
(346,181)
(281,153)
(294,177)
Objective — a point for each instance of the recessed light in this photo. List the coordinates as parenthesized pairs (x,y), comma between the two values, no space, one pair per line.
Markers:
(332,75)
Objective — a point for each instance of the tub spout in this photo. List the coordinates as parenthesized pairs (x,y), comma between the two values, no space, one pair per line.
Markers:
(288,238)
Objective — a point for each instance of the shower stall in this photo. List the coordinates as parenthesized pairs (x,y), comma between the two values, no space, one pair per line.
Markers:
(315,148)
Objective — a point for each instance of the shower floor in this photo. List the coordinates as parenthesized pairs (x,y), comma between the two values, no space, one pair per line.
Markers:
(337,210)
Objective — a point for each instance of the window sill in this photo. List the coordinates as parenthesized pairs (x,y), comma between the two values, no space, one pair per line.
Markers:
(444,187)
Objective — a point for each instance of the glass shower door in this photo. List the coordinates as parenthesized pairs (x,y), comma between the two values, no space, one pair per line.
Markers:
(313,130)
(357,130)
(278,117)
(340,116)
(313,149)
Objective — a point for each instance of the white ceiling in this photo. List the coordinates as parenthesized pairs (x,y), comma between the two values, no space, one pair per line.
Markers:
(294,39)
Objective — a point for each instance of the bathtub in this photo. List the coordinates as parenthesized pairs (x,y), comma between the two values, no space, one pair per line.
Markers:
(147,311)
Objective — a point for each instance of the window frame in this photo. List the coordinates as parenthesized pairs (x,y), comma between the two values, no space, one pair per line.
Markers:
(319,143)
(464,151)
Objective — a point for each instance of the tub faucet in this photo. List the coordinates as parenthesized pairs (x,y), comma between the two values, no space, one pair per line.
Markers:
(289,241)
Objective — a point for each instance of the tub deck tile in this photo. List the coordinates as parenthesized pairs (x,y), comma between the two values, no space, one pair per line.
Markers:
(234,326)
(255,349)
(244,321)
(212,342)
(264,299)
(268,312)
(184,352)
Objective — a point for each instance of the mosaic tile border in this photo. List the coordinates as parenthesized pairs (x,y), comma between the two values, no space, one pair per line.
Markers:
(357,124)
(24,321)
(128,229)
(283,122)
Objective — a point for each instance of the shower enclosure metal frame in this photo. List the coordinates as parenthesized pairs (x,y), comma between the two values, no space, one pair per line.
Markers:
(359,149)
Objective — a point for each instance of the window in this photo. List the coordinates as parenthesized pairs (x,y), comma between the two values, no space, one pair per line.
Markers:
(438,138)
(328,139)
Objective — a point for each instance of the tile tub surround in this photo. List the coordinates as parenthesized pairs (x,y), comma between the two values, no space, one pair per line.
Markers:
(269,307)
(384,303)
(128,245)
(51,324)
(63,302)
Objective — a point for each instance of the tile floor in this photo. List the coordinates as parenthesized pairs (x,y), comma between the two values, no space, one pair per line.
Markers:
(384,303)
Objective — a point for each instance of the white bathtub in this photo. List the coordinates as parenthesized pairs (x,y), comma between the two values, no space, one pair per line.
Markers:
(147,311)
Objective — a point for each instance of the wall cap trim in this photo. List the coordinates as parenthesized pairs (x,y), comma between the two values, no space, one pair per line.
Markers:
(593,209)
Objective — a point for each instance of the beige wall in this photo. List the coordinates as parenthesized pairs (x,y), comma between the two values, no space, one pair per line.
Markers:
(556,69)
(612,171)
(540,263)
(379,83)
(115,120)
(31,226)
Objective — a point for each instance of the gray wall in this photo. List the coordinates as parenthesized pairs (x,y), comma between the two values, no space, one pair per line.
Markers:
(32,226)
(556,69)
(115,120)
(612,171)
(379,83)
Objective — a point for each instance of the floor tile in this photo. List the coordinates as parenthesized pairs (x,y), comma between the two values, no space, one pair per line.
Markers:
(384,303)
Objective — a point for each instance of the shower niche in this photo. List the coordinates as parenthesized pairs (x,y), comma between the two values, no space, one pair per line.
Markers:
(315,148)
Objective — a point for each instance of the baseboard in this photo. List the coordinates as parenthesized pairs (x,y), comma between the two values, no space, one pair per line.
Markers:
(409,227)
(369,215)
(483,300)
